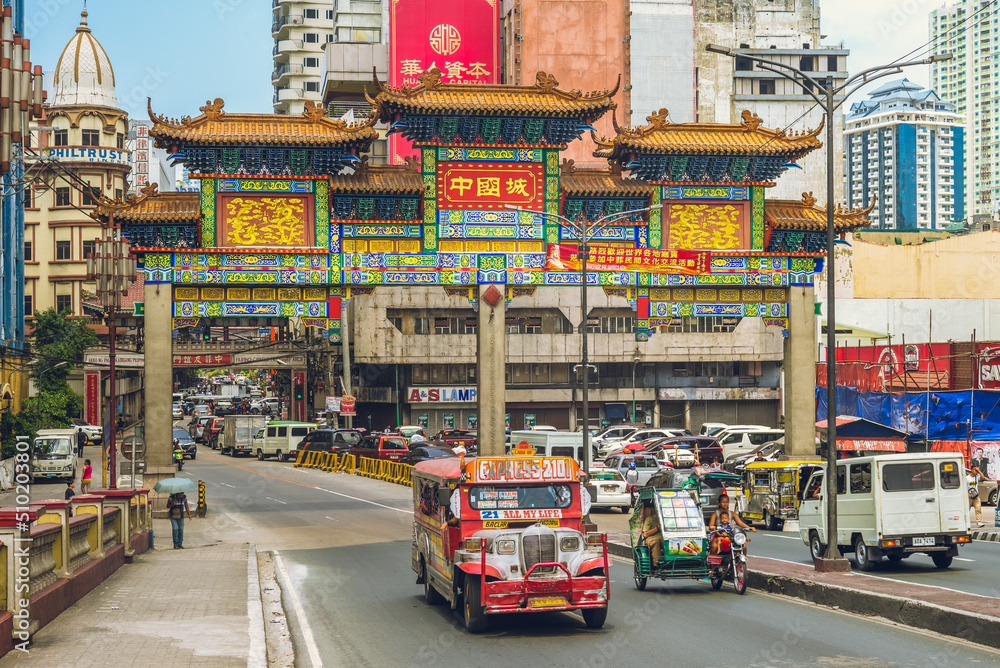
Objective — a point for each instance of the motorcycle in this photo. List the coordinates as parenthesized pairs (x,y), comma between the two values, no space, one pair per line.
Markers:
(180,461)
(731,561)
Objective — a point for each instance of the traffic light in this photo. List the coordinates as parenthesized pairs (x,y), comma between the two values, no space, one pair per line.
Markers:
(207,335)
(298,393)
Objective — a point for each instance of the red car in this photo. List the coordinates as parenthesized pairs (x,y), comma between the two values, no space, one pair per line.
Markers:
(392,447)
(213,428)
(452,438)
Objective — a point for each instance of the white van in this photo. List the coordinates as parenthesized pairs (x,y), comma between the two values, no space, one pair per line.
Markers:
(743,441)
(54,454)
(551,443)
(280,439)
(892,506)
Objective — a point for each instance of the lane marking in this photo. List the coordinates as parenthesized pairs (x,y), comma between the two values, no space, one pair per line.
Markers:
(227,485)
(284,503)
(300,613)
(332,519)
(963,559)
(408,511)
(778,535)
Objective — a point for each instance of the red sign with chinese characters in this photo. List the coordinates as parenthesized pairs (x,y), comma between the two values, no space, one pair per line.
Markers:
(459,37)
(486,186)
(92,396)
(562,257)
(202,360)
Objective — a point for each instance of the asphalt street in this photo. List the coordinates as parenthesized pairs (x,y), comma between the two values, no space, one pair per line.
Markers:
(343,542)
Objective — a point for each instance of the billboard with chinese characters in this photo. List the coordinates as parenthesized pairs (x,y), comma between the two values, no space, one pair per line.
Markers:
(459,37)
(490,186)
(564,257)
(708,226)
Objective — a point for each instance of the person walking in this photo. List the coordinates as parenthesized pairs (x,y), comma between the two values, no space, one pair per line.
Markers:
(177,505)
(975,475)
(81,440)
(88,474)
(70,492)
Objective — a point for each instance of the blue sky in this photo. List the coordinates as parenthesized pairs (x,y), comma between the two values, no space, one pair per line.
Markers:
(184,52)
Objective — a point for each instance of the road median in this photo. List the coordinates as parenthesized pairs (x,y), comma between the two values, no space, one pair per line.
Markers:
(966,616)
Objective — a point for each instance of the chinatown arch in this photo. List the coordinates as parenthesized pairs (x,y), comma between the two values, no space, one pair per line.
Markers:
(291,221)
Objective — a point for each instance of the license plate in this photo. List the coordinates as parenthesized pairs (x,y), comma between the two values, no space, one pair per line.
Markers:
(608,488)
(923,541)
(547,602)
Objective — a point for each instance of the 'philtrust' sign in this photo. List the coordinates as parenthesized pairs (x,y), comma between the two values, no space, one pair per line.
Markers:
(108,155)
(434,395)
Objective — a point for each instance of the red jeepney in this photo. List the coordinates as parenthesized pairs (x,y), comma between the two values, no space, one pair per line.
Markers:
(505,534)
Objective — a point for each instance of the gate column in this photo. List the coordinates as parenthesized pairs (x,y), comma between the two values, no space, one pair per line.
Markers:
(159,367)
(491,356)
(800,372)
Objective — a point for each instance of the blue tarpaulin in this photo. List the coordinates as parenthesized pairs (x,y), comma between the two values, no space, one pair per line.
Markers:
(935,416)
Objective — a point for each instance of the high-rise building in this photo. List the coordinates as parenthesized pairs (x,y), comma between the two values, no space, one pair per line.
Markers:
(788,32)
(968,29)
(80,140)
(300,31)
(905,146)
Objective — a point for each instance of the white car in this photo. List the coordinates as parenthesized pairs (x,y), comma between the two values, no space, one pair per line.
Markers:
(612,492)
(609,448)
(676,455)
(178,412)
(94,433)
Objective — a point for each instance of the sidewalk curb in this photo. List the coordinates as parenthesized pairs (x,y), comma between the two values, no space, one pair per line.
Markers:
(257,657)
(984,534)
(968,626)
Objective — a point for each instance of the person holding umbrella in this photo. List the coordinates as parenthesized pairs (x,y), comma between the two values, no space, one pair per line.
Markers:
(177,505)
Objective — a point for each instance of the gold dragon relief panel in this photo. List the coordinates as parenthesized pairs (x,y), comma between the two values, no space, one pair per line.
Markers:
(276,221)
(706,226)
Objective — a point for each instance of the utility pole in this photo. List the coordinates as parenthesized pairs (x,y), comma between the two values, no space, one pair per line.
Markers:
(827,100)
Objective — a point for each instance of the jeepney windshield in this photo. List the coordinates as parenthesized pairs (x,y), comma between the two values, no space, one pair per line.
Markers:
(520,497)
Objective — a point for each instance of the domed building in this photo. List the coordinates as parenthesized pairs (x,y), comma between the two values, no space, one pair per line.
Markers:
(80,137)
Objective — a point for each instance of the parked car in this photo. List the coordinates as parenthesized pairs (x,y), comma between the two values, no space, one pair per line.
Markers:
(391,447)
(187,443)
(95,434)
(423,452)
(646,465)
(337,441)
(612,492)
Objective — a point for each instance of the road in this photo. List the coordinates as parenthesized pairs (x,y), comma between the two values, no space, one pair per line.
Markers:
(344,543)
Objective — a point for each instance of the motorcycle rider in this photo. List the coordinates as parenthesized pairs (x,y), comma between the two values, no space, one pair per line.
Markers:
(632,480)
(715,522)
(178,455)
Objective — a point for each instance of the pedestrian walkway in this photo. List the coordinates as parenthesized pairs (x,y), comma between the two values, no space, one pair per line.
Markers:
(169,607)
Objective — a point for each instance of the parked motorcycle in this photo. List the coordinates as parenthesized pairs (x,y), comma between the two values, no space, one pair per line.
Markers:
(731,561)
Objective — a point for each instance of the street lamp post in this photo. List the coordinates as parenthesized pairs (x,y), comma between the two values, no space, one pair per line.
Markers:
(586,230)
(828,102)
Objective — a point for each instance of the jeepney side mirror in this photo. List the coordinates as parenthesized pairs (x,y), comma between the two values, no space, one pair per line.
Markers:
(444,496)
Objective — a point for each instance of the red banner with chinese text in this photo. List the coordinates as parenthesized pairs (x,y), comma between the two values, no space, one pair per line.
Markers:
(202,360)
(92,397)
(562,257)
(459,37)
(490,185)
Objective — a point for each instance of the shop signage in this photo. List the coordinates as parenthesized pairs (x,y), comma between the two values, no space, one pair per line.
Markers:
(347,405)
(423,420)
(449,420)
(716,394)
(129,360)
(989,369)
(562,257)
(490,185)
(333,404)
(472,421)
(529,420)
(377,395)
(92,397)
(434,395)
(104,155)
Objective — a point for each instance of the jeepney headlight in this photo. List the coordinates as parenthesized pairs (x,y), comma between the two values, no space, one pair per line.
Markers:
(506,546)
(569,544)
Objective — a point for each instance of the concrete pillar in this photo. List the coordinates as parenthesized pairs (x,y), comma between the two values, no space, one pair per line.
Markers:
(656,413)
(159,369)
(800,373)
(491,355)
(687,414)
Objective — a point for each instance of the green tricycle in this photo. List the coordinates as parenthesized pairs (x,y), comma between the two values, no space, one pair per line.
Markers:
(677,511)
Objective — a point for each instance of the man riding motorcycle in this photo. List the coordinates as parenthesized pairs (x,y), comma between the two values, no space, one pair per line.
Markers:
(178,455)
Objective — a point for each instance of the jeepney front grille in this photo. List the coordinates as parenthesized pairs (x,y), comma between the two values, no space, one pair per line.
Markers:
(539,548)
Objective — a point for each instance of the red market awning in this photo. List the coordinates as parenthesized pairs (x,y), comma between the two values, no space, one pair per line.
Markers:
(871,444)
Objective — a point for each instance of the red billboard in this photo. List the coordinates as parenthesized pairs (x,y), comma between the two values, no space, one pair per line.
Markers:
(563,257)
(915,366)
(459,37)
(490,185)
(988,366)
(92,397)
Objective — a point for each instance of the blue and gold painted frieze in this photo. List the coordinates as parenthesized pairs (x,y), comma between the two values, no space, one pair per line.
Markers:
(395,230)
(259,185)
(229,309)
(491,154)
(707,192)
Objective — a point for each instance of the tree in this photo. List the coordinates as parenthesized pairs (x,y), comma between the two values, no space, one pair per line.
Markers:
(58,338)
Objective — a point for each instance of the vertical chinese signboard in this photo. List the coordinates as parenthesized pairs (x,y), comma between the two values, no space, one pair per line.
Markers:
(459,37)
(92,397)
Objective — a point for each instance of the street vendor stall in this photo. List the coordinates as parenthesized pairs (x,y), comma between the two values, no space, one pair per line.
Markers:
(857,436)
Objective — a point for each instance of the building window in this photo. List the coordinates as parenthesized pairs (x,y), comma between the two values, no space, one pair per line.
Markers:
(29,305)
(62,196)
(310,13)
(831,63)
(524,325)
(310,62)
(88,248)
(363,35)
(311,86)
(563,325)
(744,64)
(64,303)
(710,325)
(767,86)
(329,37)
(91,138)
(28,256)
(63,250)
(88,196)
(311,38)
(329,15)
(443,325)
(118,193)
(60,138)
(421,326)
(120,140)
